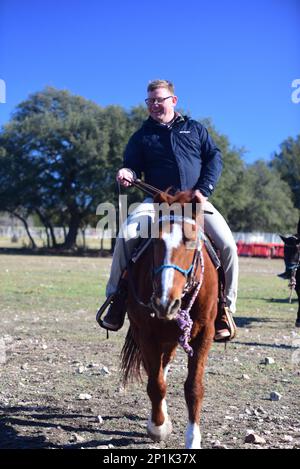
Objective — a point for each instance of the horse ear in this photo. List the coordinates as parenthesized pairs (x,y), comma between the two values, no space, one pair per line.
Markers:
(295,239)
(160,197)
(290,240)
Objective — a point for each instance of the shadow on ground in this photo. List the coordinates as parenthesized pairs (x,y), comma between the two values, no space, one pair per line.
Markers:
(40,421)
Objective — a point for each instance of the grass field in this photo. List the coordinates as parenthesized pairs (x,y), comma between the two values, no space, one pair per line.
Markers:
(54,351)
(23,242)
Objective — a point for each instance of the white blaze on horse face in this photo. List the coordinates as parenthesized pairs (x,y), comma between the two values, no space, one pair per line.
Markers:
(172,240)
(193,436)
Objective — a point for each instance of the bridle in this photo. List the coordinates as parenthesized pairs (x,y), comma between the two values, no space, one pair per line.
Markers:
(192,285)
(190,272)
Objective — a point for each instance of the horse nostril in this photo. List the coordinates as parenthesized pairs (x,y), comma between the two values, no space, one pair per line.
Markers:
(176,304)
(165,311)
(156,301)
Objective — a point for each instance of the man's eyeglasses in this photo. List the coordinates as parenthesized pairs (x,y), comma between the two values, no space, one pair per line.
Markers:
(151,101)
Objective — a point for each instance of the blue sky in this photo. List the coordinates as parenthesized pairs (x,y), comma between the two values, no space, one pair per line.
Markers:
(233,61)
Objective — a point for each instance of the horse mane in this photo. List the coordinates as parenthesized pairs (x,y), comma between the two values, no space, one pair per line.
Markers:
(182,197)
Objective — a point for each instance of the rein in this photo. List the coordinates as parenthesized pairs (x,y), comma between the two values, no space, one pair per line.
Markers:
(184,320)
(143,186)
(130,278)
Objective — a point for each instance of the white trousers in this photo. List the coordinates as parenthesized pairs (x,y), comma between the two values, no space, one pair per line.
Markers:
(215,227)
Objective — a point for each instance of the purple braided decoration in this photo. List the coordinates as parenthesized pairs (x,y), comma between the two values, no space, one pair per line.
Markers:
(185,323)
(183,318)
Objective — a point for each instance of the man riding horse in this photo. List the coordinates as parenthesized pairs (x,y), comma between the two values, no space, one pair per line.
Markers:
(175,151)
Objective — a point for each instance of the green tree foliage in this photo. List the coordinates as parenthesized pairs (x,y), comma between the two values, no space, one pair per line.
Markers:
(268,204)
(230,195)
(59,155)
(253,197)
(60,152)
(287,163)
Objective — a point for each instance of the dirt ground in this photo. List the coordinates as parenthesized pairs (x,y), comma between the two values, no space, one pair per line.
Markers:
(60,384)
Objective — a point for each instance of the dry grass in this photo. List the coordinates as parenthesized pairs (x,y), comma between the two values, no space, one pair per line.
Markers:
(48,307)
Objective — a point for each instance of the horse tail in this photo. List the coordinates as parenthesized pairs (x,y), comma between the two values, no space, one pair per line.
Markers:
(131,359)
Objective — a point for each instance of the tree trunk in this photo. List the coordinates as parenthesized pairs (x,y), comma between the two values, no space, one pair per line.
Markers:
(83,237)
(48,237)
(72,233)
(23,220)
(48,226)
(52,234)
(112,246)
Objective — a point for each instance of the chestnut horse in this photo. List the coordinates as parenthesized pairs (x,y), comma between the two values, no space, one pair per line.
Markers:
(164,280)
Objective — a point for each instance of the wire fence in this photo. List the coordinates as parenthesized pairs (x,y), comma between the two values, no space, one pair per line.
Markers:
(16,236)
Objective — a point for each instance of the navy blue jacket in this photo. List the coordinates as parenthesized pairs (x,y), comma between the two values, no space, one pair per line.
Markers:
(183,155)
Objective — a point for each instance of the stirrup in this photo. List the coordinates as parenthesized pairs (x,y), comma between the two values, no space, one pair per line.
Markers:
(103,308)
(225,335)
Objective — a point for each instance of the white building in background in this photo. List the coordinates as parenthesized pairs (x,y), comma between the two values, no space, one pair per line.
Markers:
(257,237)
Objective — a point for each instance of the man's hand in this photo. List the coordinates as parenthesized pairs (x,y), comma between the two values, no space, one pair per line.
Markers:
(200,197)
(125,177)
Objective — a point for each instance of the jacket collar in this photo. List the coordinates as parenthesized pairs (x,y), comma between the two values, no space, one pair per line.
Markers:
(153,123)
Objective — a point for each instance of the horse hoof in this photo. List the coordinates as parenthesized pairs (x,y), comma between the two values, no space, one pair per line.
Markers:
(161,432)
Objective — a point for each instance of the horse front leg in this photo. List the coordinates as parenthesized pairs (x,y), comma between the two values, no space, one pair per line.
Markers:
(159,424)
(194,388)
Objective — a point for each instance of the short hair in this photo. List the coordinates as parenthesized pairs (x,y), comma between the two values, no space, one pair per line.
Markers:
(154,84)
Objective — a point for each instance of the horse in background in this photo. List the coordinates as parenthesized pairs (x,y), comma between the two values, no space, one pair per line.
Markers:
(292,264)
(168,280)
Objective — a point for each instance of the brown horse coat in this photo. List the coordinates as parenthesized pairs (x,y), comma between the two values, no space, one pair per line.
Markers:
(153,335)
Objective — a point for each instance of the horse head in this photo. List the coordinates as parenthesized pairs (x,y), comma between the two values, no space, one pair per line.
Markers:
(174,251)
(291,249)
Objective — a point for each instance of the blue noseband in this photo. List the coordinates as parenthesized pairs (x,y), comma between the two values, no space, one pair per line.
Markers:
(185,272)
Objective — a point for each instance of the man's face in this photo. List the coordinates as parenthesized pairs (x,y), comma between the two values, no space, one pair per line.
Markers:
(161,111)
